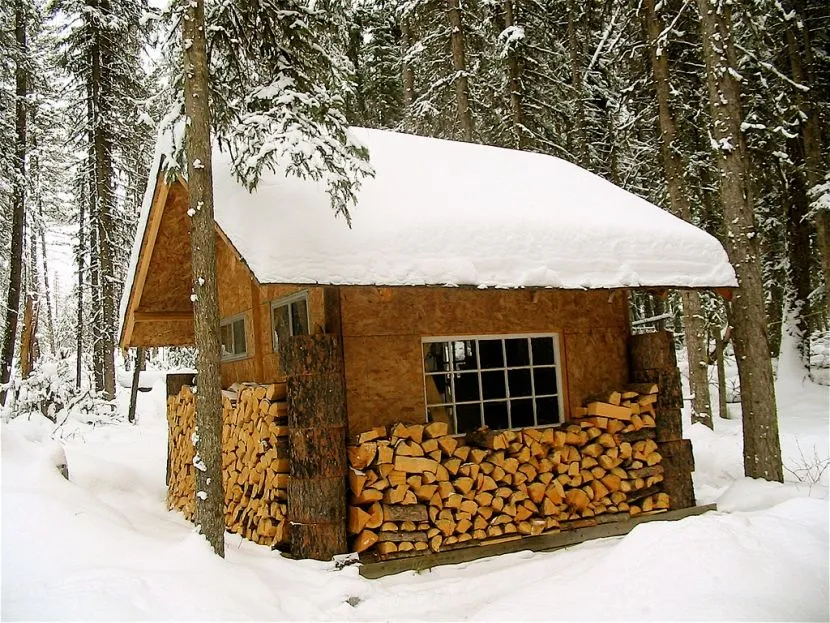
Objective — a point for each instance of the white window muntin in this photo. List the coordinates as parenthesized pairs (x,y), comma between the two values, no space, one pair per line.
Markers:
(452,373)
(286,301)
(234,352)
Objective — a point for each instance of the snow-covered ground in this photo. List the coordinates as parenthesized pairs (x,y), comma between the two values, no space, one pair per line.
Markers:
(102,546)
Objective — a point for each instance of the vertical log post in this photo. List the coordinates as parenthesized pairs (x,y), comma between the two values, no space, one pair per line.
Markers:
(139,367)
(652,359)
(317,445)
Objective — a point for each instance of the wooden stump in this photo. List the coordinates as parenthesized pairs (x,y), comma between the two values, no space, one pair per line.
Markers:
(317,446)
(679,463)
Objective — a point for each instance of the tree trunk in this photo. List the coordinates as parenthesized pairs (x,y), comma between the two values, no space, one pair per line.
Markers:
(693,323)
(50,321)
(81,261)
(799,255)
(459,65)
(18,201)
(210,496)
(514,83)
(28,337)
(720,344)
(762,450)
(139,366)
(101,57)
(578,139)
(95,317)
(800,54)
(408,72)
(39,231)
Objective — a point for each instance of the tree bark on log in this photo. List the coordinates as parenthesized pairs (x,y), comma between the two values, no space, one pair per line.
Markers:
(317,445)
(678,463)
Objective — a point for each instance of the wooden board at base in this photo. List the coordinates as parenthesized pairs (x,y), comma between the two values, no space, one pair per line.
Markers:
(544,542)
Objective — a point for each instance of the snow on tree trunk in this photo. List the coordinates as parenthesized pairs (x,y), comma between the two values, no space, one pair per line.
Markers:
(210,496)
(762,449)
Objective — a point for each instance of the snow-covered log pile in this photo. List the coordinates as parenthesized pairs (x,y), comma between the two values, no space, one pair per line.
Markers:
(254,459)
(415,488)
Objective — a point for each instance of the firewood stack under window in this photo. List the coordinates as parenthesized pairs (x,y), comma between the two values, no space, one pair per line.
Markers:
(414,488)
(254,459)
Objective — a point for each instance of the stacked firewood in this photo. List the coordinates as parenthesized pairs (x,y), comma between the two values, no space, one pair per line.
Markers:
(254,459)
(414,487)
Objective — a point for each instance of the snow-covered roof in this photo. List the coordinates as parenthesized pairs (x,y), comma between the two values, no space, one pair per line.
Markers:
(447,213)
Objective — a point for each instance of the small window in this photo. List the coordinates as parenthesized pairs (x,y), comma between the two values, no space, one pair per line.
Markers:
(233,338)
(289,317)
(500,381)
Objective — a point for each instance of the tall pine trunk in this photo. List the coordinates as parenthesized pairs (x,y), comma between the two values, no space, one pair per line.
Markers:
(762,450)
(800,54)
(101,81)
(693,322)
(514,82)
(578,140)
(18,200)
(459,65)
(210,496)
(81,262)
(407,41)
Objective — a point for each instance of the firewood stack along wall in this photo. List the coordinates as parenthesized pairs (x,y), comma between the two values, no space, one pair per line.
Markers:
(254,459)
(413,488)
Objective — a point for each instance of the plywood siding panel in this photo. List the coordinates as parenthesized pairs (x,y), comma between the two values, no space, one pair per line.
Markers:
(597,362)
(386,380)
(457,311)
(383,328)
(150,334)
(168,284)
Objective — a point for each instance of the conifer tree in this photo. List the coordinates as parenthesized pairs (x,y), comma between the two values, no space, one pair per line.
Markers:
(762,451)
(101,50)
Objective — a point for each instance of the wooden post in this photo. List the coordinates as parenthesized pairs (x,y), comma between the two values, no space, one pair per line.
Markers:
(174,383)
(139,366)
(317,445)
(652,359)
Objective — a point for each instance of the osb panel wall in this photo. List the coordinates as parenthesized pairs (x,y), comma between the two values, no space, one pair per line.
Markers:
(168,283)
(239,292)
(383,327)
(166,333)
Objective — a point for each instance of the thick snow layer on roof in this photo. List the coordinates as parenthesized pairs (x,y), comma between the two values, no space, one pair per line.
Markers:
(447,213)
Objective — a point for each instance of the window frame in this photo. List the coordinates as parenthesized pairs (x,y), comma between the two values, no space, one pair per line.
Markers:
(231,320)
(557,365)
(284,301)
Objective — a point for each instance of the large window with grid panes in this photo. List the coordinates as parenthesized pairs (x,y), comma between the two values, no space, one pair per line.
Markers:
(501,381)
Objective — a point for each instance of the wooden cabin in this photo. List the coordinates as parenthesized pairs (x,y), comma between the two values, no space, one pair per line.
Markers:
(476,287)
